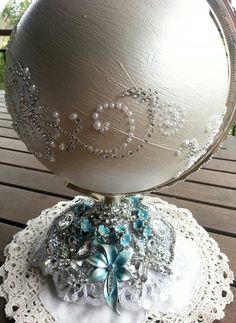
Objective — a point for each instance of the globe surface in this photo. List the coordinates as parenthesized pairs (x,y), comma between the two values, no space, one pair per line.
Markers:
(122,96)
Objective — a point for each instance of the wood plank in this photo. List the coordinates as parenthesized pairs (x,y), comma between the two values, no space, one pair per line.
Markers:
(214,178)
(6,123)
(20,205)
(208,216)
(20,159)
(14,144)
(221,166)
(228,246)
(228,150)
(230,311)
(227,153)
(3,108)
(202,193)
(6,233)
(5,116)
(4,132)
(34,180)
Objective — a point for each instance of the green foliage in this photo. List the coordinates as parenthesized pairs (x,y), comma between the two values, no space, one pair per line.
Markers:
(10,16)
(14,11)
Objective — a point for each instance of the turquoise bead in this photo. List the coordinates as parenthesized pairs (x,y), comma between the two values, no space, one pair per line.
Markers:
(138,224)
(86,226)
(104,231)
(143,214)
(125,240)
(147,232)
(120,228)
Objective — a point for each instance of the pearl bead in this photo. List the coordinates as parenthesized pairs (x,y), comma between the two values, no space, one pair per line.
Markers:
(105,105)
(55,115)
(100,108)
(112,105)
(73,116)
(95,116)
(97,125)
(132,128)
(131,121)
(124,145)
(129,140)
(125,109)
(129,114)
(119,105)
(131,134)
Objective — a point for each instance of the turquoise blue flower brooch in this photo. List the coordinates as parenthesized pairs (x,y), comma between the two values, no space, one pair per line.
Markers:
(100,253)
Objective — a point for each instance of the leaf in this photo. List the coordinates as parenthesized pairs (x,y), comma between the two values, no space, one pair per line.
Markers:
(123,258)
(98,260)
(98,275)
(123,274)
(111,293)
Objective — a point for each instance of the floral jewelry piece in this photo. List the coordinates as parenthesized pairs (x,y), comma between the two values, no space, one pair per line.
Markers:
(110,269)
(96,252)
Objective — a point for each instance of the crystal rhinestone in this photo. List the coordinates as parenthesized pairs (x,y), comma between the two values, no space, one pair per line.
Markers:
(138,224)
(120,228)
(86,225)
(62,146)
(125,240)
(143,214)
(73,116)
(147,232)
(103,230)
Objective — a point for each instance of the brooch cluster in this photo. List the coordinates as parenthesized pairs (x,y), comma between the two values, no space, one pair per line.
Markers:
(96,251)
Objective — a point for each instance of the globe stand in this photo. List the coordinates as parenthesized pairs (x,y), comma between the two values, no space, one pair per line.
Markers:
(197,289)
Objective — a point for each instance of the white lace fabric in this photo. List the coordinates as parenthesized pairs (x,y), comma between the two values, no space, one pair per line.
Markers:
(23,284)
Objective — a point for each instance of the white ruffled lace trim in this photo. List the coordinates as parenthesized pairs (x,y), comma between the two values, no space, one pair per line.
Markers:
(22,284)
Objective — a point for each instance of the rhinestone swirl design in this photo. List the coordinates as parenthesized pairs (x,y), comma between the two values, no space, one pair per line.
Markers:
(44,133)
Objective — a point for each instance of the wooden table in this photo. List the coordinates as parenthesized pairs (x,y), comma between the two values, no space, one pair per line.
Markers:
(27,187)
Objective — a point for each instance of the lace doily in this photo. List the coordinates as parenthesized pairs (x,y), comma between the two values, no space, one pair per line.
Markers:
(22,284)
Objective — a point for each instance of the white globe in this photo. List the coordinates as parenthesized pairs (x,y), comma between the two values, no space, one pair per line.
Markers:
(121,96)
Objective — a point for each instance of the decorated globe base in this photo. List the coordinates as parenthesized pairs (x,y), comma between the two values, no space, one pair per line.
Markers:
(107,250)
